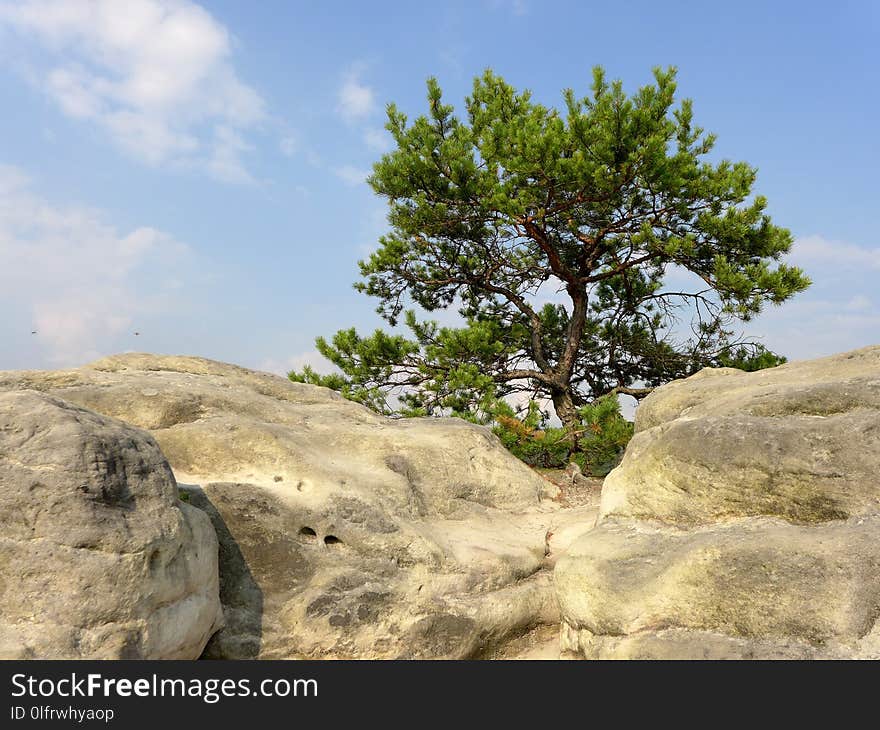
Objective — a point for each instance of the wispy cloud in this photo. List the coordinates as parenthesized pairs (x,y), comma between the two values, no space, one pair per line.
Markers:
(82,282)
(812,327)
(312,358)
(859,303)
(815,250)
(351,175)
(356,105)
(289,145)
(516,7)
(839,312)
(155,75)
(227,151)
(378,140)
(356,100)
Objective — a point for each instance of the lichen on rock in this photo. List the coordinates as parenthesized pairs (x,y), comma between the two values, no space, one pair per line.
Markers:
(743,521)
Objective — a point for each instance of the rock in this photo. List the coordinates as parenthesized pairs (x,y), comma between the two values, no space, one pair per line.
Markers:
(342,533)
(743,521)
(98,558)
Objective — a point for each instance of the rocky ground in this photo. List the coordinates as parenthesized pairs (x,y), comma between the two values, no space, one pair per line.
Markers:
(158,507)
(743,522)
(575,490)
(341,533)
(578,493)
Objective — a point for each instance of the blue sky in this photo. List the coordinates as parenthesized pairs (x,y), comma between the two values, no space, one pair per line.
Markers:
(194,172)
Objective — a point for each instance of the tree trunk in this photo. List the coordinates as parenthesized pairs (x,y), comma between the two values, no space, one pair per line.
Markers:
(565,408)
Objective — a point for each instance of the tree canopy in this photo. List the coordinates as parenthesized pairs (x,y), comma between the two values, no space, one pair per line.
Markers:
(558,235)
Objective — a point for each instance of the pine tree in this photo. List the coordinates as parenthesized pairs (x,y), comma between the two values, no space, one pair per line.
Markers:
(600,201)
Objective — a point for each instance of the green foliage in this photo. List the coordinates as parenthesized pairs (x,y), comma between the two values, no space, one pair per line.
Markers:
(440,370)
(599,200)
(750,360)
(604,434)
(369,363)
(596,443)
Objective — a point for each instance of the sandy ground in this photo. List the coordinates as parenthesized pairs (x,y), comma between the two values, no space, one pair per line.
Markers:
(540,643)
(576,491)
(580,496)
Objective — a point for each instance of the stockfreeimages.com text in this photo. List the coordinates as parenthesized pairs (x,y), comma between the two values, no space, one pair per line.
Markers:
(209,690)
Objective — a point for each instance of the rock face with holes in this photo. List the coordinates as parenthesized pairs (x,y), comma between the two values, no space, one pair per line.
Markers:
(342,533)
(744,521)
(98,558)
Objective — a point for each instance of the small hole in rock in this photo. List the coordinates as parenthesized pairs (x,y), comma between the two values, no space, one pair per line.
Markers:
(332,540)
(155,561)
(308,532)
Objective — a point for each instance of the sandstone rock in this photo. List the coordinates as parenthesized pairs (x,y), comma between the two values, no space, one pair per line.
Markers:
(342,533)
(98,558)
(743,521)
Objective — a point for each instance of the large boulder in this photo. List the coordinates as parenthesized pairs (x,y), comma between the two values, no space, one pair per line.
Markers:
(98,557)
(342,533)
(743,521)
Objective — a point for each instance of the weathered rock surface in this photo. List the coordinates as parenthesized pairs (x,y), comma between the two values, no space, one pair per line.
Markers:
(743,521)
(98,558)
(341,533)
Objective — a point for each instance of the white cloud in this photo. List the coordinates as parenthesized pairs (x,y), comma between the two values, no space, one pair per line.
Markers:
(11,180)
(351,175)
(289,145)
(839,312)
(154,74)
(516,7)
(226,163)
(807,327)
(356,100)
(356,103)
(814,251)
(378,140)
(313,358)
(81,282)
(859,303)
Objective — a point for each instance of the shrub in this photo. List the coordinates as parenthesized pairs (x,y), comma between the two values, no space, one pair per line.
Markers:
(596,444)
